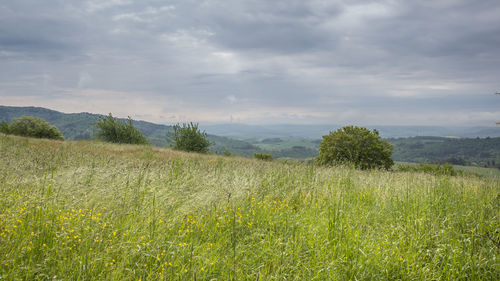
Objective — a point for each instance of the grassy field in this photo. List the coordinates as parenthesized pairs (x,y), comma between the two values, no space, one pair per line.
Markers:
(94,211)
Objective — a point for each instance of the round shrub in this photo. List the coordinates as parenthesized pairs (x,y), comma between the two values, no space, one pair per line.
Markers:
(29,126)
(356,146)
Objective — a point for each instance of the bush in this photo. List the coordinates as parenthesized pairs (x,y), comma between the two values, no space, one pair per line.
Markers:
(29,126)
(4,127)
(263,156)
(188,138)
(355,146)
(112,130)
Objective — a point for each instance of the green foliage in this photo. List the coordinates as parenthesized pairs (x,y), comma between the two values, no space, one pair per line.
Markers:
(112,130)
(4,127)
(263,156)
(29,126)
(355,146)
(188,137)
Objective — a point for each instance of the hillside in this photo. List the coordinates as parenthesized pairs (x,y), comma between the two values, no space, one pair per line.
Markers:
(483,152)
(96,211)
(315,131)
(80,126)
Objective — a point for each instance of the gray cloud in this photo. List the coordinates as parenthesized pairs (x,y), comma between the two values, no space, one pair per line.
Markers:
(405,62)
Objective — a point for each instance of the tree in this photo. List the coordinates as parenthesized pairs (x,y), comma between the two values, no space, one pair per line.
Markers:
(112,130)
(263,156)
(29,126)
(357,146)
(188,137)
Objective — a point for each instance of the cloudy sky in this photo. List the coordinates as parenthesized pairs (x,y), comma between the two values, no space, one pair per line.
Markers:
(281,61)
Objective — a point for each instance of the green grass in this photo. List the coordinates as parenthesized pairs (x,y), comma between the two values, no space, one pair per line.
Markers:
(471,170)
(94,211)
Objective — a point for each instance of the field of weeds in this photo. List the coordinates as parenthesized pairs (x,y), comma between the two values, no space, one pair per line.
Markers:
(94,211)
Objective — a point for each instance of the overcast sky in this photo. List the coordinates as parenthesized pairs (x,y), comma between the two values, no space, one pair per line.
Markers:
(281,61)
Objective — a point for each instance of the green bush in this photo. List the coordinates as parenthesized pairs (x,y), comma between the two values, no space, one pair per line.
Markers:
(188,137)
(4,127)
(263,156)
(357,146)
(112,130)
(29,126)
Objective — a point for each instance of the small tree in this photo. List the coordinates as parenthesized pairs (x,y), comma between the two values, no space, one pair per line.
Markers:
(263,156)
(188,137)
(29,126)
(357,146)
(112,130)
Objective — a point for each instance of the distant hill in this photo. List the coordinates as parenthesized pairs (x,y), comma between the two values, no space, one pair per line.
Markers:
(80,126)
(483,152)
(244,131)
(463,151)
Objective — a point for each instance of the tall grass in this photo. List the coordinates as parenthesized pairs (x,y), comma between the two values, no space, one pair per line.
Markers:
(93,211)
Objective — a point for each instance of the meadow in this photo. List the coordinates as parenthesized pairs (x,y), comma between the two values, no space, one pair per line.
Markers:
(94,211)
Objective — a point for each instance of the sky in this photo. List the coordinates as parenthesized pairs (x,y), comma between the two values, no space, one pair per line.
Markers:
(257,61)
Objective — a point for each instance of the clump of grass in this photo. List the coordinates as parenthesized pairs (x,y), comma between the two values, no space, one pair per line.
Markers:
(87,211)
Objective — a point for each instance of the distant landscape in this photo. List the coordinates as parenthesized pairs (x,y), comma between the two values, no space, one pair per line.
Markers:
(245,131)
(470,146)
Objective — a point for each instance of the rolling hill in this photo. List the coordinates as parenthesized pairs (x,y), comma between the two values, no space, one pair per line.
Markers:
(80,126)
(475,151)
